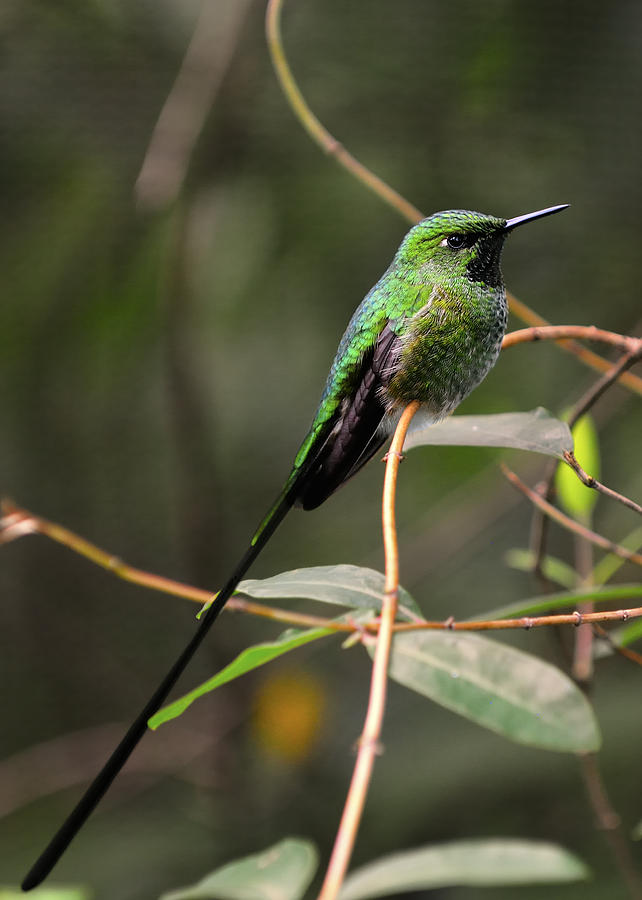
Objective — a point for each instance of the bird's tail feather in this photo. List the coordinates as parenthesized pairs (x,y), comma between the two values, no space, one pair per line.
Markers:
(123,751)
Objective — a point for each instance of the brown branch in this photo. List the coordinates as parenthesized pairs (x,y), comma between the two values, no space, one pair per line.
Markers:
(319,134)
(568,523)
(596,390)
(631,345)
(369,741)
(18,522)
(608,821)
(539,524)
(526,623)
(626,652)
(596,485)
(590,359)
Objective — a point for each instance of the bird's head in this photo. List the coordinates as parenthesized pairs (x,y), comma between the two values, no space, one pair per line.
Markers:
(460,243)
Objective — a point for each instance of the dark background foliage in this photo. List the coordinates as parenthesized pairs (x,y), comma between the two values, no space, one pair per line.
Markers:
(159,368)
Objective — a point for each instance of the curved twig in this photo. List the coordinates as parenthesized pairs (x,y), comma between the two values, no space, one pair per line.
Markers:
(630,345)
(369,741)
(17,523)
(319,134)
(570,524)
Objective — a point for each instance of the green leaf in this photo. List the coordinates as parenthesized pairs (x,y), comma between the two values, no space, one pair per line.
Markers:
(628,634)
(283,872)
(250,658)
(342,585)
(637,832)
(564,600)
(577,499)
(554,569)
(506,690)
(606,568)
(537,431)
(483,863)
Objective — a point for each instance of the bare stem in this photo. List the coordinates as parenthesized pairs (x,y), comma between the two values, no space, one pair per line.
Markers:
(319,134)
(596,485)
(570,524)
(629,344)
(596,390)
(608,821)
(590,359)
(369,741)
(539,526)
(17,522)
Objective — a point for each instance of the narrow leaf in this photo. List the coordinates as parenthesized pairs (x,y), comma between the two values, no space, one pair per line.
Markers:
(283,872)
(483,863)
(610,563)
(342,585)
(506,690)
(250,658)
(537,431)
(554,569)
(564,600)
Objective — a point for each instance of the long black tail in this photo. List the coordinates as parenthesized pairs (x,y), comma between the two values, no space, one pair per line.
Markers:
(74,822)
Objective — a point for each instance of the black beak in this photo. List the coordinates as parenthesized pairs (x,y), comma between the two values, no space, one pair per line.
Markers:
(520,220)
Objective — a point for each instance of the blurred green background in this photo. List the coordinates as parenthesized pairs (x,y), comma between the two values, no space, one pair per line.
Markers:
(161,359)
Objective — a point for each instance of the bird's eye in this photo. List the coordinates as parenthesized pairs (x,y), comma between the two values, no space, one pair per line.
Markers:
(457,241)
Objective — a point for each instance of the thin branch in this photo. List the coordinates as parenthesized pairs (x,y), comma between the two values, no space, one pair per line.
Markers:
(319,134)
(631,345)
(568,523)
(600,387)
(626,652)
(596,485)
(582,665)
(609,822)
(526,623)
(18,522)
(539,524)
(369,741)
(590,359)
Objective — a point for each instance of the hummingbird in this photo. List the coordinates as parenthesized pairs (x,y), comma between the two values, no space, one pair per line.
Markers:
(429,331)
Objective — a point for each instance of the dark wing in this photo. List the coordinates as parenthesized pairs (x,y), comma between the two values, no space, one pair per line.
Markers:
(353,435)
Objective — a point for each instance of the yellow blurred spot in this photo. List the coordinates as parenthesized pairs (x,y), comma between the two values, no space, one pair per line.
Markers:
(287,715)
